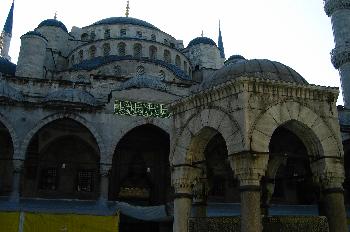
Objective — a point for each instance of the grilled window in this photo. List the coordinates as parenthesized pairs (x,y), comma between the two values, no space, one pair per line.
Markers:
(85,181)
(107,33)
(48,179)
(122,32)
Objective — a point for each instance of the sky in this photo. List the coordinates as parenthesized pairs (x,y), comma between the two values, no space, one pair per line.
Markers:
(296,33)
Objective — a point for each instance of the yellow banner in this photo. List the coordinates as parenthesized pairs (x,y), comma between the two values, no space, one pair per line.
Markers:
(35,222)
(9,221)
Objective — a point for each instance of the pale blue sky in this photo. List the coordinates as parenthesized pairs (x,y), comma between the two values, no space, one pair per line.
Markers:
(294,32)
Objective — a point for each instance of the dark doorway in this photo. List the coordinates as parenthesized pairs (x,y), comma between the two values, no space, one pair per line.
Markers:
(6,154)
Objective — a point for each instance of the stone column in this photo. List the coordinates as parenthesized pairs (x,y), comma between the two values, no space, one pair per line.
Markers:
(16,180)
(104,184)
(329,173)
(200,193)
(183,180)
(249,169)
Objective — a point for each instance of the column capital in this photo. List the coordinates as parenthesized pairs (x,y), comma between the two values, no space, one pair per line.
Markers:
(184,177)
(249,167)
(17,165)
(329,173)
(105,169)
(330,6)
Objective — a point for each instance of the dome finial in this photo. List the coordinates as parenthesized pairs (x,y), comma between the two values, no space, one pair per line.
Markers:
(55,17)
(202,34)
(127,9)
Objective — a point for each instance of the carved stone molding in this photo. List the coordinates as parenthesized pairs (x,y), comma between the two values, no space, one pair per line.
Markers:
(340,55)
(332,5)
(328,173)
(183,178)
(249,168)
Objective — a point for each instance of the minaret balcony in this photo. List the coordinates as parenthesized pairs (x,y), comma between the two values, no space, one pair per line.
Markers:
(330,6)
(340,55)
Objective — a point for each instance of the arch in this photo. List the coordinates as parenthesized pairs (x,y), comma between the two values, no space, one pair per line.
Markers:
(121,49)
(131,126)
(153,52)
(302,121)
(137,50)
(106,49)
(198,130)
(178,61)
(12,132)
(92,51)
(51,118)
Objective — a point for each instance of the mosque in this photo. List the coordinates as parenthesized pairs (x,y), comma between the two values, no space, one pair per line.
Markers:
(121,116)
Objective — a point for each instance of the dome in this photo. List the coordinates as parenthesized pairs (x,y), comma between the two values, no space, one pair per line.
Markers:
(201,40)
(125,20)
(258,68)
(7,67)
(53,23)
(75,96)
(8,92)
(35,33)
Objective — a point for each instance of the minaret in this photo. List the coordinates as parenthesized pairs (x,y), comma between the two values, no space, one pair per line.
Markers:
(339,11)
(221,44)
(6,34)
(127,9)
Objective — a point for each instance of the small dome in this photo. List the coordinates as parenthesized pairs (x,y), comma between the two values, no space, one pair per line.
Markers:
(144,81)
(125,20)
(201,40)
(34,33)
(258,68)
(53,23)
(75,96)
(7,67)
(8,92)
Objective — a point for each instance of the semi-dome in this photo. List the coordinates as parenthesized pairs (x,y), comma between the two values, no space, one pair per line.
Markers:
(53,23)
(258,68)
(201,40)
(144,81)
(125,20)
(7,67)
(8,92)
(36,33)
(70,95)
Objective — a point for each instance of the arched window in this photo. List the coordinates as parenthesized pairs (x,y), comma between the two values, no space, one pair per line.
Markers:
(81,55)
(107,33)
(121,49)
(178,61)
(137,50)
(122,32)
(117,70)
(185,66)
(92,35)
(140,70)
(167,56)
(153,37)
(92,52)
(152,52)
(72,60)
(84,37)
(162,73)
(139,34)
(106,49)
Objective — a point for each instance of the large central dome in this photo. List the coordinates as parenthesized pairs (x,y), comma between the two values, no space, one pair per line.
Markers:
(125,20)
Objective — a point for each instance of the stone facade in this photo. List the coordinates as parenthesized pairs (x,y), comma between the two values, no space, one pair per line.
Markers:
(120,110)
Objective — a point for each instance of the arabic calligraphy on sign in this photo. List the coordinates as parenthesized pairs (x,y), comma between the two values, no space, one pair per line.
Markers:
(144,109)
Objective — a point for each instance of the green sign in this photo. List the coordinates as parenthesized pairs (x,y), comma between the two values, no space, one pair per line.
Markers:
(143,109)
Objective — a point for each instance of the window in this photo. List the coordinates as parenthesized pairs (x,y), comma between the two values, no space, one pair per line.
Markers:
(106,49)
(48,179)
(166,41)
(72,60)
(172,45)
(162,73)
(137,50)
(140,70)
(107,33)
(117,70)
(139,34)
(121,49)
(81,55)
(92,52)
(84,37)
(85,181)
(178,61)
(153,37)
(92,35)
(122,32)
(185,66)
(167,56)
(152,52)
